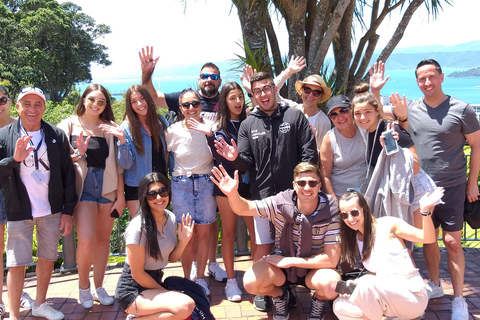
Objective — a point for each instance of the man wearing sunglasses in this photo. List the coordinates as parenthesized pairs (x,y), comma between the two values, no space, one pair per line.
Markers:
(209,82)
(307,239)
(38,180)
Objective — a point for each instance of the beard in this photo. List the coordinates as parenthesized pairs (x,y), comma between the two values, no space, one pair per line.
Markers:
(208,92)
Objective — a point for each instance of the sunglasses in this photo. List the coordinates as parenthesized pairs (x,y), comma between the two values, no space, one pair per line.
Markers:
(266,89)
(4,100)
(194,103)
(334,115)
(30,89)
(99,102)
(152,194)
(205,76)
(344,215)
(308,90)
(303,183)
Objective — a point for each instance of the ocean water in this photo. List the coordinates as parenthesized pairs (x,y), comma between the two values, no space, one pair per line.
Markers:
(401,81)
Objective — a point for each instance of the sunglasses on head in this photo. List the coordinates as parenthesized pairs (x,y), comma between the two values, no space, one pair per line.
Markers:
(194,103)
(344,215)
(30,89)
(153,194)
(205,76)
(303,183)
(99,102)
(334,115)
(308,90)
(4,100)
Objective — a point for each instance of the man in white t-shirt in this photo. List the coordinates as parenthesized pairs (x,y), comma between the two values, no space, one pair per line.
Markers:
(38,179)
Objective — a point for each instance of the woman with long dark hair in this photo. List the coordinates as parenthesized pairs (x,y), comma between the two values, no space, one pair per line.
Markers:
(141,142)
(231,112)
(101,197)
(393,287)
(151,240)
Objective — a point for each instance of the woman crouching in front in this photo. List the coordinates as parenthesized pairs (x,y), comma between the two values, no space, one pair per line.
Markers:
(151,243)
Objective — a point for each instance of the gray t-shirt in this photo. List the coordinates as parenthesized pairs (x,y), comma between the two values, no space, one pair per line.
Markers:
(439,137)
(166,240)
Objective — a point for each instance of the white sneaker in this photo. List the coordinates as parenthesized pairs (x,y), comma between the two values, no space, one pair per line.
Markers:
(204,285)
(46,311)
(459,309)
(26,302)
(433,290)
(232,291)
(193,271)
(214,270)
(130,317)
(85,297)
(102,296)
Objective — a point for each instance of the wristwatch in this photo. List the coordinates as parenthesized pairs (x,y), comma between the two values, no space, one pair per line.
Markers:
(77,154)
(429,212)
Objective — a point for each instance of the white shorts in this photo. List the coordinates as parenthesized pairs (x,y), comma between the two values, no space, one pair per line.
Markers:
(263,232)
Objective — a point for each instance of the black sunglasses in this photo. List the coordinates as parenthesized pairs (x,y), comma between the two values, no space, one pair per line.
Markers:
(334,115)
(308,90)
(303,183)
(152,194)
(205,76)
(194,103)
(344,215)
(4,100)
(30,89)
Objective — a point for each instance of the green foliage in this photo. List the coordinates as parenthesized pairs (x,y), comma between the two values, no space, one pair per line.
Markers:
(49,45)
(252,58)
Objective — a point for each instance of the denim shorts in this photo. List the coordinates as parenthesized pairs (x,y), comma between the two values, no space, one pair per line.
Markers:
(92,186)
(3,213)
(194,195)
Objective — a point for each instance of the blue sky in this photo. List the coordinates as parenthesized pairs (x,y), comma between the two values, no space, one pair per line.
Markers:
(209,30)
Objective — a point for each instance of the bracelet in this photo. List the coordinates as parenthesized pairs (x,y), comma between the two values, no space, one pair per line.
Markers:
(404,120)
(425,214)
(77,154)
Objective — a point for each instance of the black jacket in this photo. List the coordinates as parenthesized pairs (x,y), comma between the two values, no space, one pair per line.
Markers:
(61,192)
(271,146)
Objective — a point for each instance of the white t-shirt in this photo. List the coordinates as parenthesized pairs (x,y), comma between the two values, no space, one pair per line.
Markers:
(37,192)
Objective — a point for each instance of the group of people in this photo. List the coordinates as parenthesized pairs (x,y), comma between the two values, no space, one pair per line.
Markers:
(305,190)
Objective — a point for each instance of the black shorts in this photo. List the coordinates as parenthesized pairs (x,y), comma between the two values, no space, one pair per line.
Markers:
(131,193)
(128,289)
(450,214)
(300,280)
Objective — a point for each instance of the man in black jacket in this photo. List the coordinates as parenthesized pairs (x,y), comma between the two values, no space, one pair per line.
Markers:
(38,180)
(271,142)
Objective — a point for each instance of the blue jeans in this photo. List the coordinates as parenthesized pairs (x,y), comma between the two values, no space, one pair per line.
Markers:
(92,186)
(194,195)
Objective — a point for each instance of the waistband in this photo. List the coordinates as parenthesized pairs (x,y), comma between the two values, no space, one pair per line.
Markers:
(194,176)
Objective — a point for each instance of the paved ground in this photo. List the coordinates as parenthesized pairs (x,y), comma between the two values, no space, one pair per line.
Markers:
(65,290)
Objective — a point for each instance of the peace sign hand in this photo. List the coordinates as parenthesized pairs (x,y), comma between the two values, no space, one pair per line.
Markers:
(22,149)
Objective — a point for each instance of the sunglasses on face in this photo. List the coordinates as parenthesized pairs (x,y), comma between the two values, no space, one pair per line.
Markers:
(344,215)
(30,89)
(4,100)
(194,103)
(266,89)
(153,194)
(308,90)
(205,76)
(99,102)
(334,115)
(303,183)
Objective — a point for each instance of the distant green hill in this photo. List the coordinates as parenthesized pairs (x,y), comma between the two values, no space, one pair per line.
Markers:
(473,72)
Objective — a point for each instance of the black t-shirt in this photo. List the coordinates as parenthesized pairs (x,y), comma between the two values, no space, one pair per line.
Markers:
(209,106)
(404,141)
(97,151)
(158,160)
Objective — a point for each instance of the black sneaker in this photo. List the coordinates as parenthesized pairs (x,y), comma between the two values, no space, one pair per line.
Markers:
(292,301)
(280,306)
(262,303)
(316,311)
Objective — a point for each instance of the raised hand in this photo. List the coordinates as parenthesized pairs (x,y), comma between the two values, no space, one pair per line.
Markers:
(229,152)
(429,200)
(200,126)
(377,80)
(223,181)
(147,62)
(82,145)
(296,64)
(247,75)
(115,130)
(399,106)
(22,149)
(185,229)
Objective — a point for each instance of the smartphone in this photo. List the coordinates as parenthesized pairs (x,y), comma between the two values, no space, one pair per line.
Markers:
(391,145)
(114,214)
(343,288)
